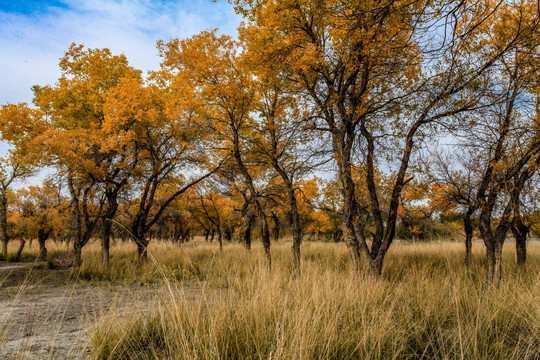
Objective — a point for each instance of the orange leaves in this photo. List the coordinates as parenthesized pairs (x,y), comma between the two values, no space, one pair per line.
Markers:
(92,110)
(38,208)
(20,127)
(440,198)
(19,123)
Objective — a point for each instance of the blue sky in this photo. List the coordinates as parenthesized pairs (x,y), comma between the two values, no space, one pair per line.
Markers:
(35,34)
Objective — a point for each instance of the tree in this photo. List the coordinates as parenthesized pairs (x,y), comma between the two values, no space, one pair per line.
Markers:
(19,127)
(86,210)
(376,85)
(225,95)
(90,141)
(282,142)
(506,132)
(458,178)
(41,208)
(166,142)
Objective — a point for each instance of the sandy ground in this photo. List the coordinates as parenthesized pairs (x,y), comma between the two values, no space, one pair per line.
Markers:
(51,318)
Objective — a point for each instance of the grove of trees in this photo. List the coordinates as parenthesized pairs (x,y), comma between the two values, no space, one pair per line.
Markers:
(353,120)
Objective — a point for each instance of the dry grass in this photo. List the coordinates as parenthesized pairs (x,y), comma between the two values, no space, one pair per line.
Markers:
(425,306)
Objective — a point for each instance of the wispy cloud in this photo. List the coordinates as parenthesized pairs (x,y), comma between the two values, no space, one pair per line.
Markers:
(32,39)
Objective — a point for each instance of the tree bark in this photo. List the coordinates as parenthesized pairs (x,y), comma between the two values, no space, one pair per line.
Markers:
(296,231)
(246,234)
(220,240)
(520,231)
(497,265)
(276,227)
(138,232)
(228,234)
(467,226)
(20,250)
(3,225)
(375,266)
(105,243)
(494,241)
(77,255)
(42,238)
(142,251)
(343,140)
(353,247)
(107,226)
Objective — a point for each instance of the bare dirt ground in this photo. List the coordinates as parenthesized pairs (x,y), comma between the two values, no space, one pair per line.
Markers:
(52,317)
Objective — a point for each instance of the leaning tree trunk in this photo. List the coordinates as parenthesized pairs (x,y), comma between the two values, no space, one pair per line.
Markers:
(20,250)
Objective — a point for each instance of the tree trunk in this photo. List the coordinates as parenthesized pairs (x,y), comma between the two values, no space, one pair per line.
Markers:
(228,234)
(375,266)
(497,265)
(77,255)
(139,234)
(107,227)
(494,263)
(21,247)
(3,225)
(142,251)
(265,238)
(521,251)
(296,231)
(248,224)
(342,150)
(105,242)
(352,245)
(467,226)
(520,231)
(42,238)
(490,264)
(276,227)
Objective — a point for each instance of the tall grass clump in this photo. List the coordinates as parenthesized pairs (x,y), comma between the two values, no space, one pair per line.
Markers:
(425,306)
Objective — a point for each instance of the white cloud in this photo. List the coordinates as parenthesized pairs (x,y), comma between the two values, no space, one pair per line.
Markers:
(30,45)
